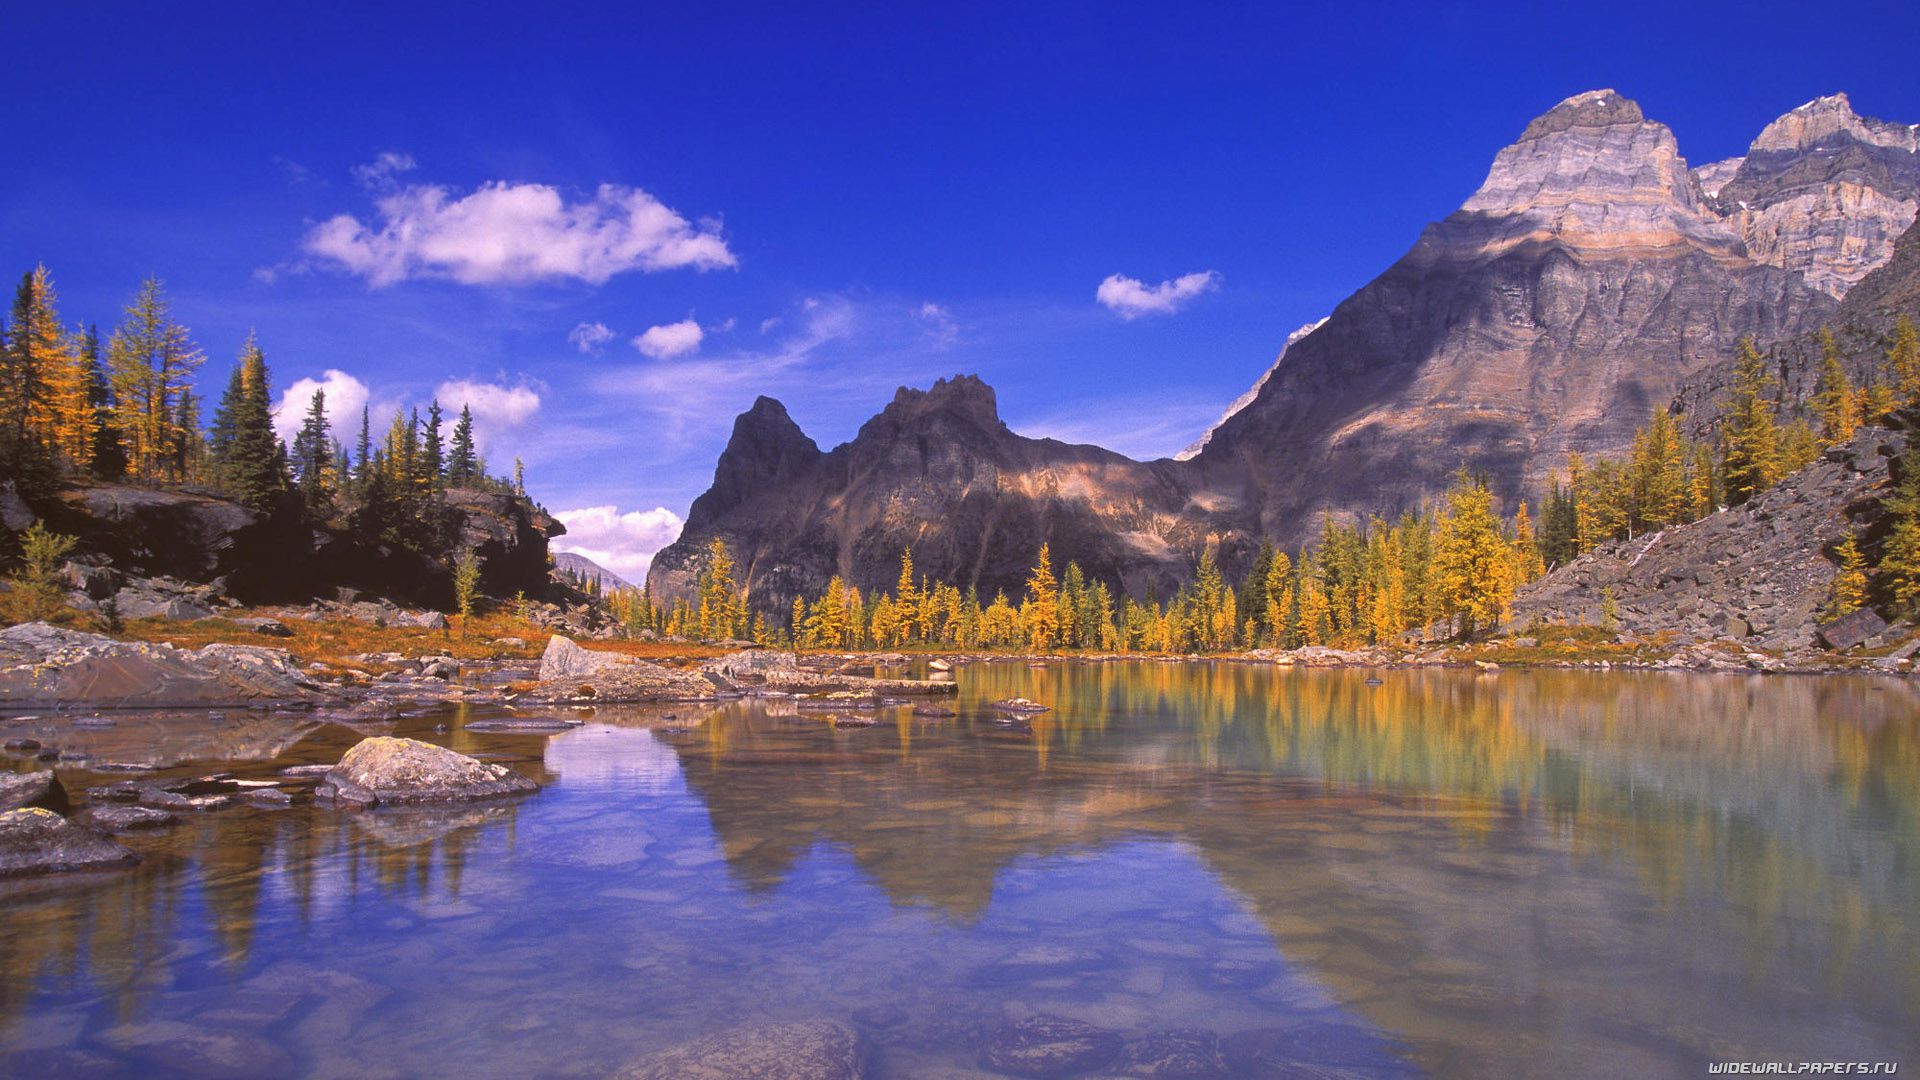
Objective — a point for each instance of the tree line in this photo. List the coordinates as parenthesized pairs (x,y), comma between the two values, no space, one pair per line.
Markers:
(131,412)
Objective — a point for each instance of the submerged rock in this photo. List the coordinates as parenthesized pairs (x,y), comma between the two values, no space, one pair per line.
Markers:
(123,818)
(1175,1055)
(41,789)
(813,1050)
(1050,1046)
(192,1050)
(385,769)
(37,841)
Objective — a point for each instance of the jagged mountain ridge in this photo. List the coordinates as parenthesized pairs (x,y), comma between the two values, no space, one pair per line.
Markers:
(1584,284)
(937,471)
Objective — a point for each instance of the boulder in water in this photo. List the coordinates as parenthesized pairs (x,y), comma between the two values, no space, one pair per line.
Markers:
(37,841)
(385,769)
(41,789)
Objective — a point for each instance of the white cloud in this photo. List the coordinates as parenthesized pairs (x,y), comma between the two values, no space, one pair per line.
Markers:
(378,174)
(346,396)
(589,337)
(496,409)
(673,339)
(512,233)
(1132,298)
(623,543)
(944,327)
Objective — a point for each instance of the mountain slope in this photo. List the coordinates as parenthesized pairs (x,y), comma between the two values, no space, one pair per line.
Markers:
(1573,293)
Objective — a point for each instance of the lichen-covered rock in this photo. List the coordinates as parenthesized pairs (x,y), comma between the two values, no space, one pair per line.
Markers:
(36,841)
(42,789)
(810,1050)
(386,769)
(45,666)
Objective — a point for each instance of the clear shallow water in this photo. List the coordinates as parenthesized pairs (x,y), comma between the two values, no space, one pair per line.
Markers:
(1453,874)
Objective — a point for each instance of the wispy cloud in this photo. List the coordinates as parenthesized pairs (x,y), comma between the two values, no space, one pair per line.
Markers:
(504,233)
(941,324)
(1131,298)
(670,340)
(378,174)
(589,337)
(624,543)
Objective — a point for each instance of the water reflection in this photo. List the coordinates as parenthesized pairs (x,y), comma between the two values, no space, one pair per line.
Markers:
(1547,873)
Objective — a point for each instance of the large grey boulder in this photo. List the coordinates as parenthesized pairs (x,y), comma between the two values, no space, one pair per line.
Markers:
(809,1050)
(37,841)
(49,666)
(392,770)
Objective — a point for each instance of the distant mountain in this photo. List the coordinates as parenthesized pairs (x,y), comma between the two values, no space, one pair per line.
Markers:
(586,569)
(939,472)
(1592,277)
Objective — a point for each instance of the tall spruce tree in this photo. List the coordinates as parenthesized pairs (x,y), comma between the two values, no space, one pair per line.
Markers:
(313,455)
(248,459)
(434,449)
(463,462)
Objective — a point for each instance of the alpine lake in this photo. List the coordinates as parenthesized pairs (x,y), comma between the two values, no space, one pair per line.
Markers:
(1216,868)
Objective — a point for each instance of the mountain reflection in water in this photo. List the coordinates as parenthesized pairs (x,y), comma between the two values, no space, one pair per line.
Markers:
(1546,873)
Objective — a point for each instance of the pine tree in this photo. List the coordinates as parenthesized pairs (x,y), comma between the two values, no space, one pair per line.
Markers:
(1526,549)
(313,456)
(1899,568)
(1903,358)
(434,457)
(363,452)
(1750,451)
(463,463)
(246,451)
(152,363)
(1040,611)
(1473,562)
(108,459)
(1849,589)
(45,421)
(1834,401)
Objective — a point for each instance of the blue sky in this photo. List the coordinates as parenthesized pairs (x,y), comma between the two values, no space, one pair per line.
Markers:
(841,200)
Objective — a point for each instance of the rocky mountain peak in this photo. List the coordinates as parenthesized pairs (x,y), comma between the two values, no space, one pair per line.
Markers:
(1824,190)
(1593,109)
(765,448)
(1593,176)
(963,396)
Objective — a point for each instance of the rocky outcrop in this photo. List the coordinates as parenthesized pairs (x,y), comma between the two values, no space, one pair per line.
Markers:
(43,666)
(1758,573)
(395,771)
(809,1050)
(196,539)
(939,472)
(37,841)
(1825,191)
